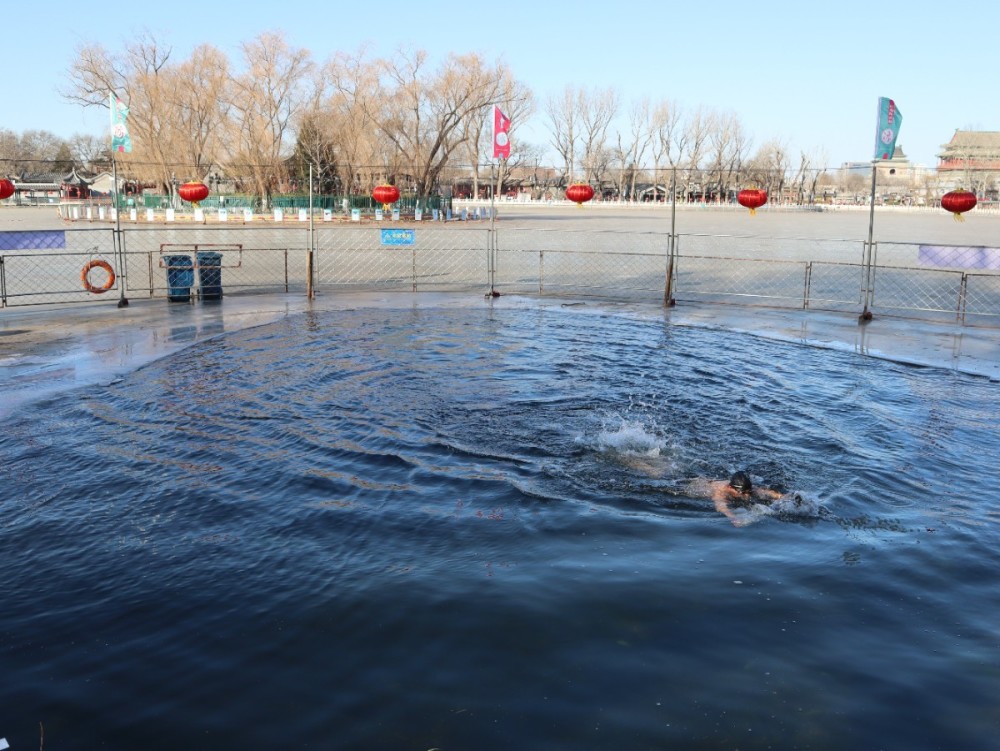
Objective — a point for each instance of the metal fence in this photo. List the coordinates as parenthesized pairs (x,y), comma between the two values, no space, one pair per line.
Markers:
(901,279)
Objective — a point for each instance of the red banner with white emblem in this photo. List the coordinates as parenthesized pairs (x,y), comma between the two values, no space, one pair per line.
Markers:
(501,141)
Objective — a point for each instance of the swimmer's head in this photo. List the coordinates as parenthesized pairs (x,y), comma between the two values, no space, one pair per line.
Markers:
(740,482)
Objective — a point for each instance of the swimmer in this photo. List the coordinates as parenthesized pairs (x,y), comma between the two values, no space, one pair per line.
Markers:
(734,496)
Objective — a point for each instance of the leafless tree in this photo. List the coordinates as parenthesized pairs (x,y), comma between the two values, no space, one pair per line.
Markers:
(142,77)
(91,152)
(564,114)
(696,131)
(34,151)
(728,145)
(518,104)
(666,137)
(632,151)
(768,168)
(200,108)
(353,132)
(597,111)
(264,100)
(818,159)
(421,112)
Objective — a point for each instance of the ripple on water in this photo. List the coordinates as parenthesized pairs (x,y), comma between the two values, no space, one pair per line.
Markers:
(475,529)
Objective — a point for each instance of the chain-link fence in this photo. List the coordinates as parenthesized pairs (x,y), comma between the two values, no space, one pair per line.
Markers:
(904,279)
(421,258)
(46,266)
(614,265)
(263,259)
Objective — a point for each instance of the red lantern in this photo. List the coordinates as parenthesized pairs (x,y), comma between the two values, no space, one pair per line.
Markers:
(958,202)
(386,194)
(193,192)
(752,198)
(6,189)
(579,193)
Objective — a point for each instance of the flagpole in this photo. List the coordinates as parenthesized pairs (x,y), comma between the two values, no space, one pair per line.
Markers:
(310,292)
(501,152)
(494,172)
(493,234)
(125,145)
(866,314)
(119,245)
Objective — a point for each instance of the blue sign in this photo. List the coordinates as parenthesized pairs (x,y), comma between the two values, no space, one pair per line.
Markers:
(398,236)
(32,239)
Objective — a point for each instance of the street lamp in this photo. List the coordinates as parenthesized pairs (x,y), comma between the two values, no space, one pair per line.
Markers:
(173,190)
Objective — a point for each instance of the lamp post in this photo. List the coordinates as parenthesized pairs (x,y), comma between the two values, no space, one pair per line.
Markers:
(173,190)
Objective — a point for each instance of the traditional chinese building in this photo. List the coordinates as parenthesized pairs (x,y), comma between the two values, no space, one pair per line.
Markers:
(971,160)
(971,149)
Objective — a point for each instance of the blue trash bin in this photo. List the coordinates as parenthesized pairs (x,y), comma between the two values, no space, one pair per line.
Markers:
(180,277)
(210,274)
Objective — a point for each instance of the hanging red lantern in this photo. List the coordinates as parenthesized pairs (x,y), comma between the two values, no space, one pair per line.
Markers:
(752,198)
(579,193)
(385,195)
(193,192)
(6,189)
(958,202)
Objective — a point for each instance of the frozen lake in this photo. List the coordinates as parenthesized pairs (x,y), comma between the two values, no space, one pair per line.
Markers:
(841,223)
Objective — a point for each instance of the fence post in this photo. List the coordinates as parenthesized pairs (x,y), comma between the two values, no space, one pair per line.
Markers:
(866,314)
(118,240)
(668,290)
(962,290)
(310,292)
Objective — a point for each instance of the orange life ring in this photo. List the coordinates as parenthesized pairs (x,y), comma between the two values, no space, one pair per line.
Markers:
(85,276)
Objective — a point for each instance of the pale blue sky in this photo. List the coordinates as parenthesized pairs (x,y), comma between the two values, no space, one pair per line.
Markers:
(809,74)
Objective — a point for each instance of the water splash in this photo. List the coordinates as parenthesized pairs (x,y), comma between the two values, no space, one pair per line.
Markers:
(629,437)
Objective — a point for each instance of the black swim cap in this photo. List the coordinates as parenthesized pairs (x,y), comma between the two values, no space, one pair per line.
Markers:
(741,481)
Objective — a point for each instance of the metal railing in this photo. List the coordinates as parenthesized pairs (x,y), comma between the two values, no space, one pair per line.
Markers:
(957,283)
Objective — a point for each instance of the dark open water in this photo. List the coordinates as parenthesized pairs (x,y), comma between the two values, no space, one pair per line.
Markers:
(460,529)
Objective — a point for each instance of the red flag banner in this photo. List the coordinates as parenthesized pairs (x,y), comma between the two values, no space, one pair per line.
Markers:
(501,141)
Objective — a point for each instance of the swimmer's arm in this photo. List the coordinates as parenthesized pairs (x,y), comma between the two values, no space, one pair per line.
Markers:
(722,506)
(767,493)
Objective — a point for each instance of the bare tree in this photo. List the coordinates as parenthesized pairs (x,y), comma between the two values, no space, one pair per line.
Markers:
(354,135)
(631,152)
(421,112)
(818,158)
(34,151)
(597,111)
(768,168)
(666,136)
(727,150)
(517,103)
(264,101)
(199,106)
(696,130)
(141,76)
(802,174)
(90,151)
(564,115)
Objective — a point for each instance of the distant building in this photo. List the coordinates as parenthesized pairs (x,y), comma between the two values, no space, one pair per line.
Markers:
(50,188)
(971,149)
(897,167)
(971,160)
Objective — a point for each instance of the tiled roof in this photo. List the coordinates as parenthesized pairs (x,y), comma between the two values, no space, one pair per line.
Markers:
(974,141)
